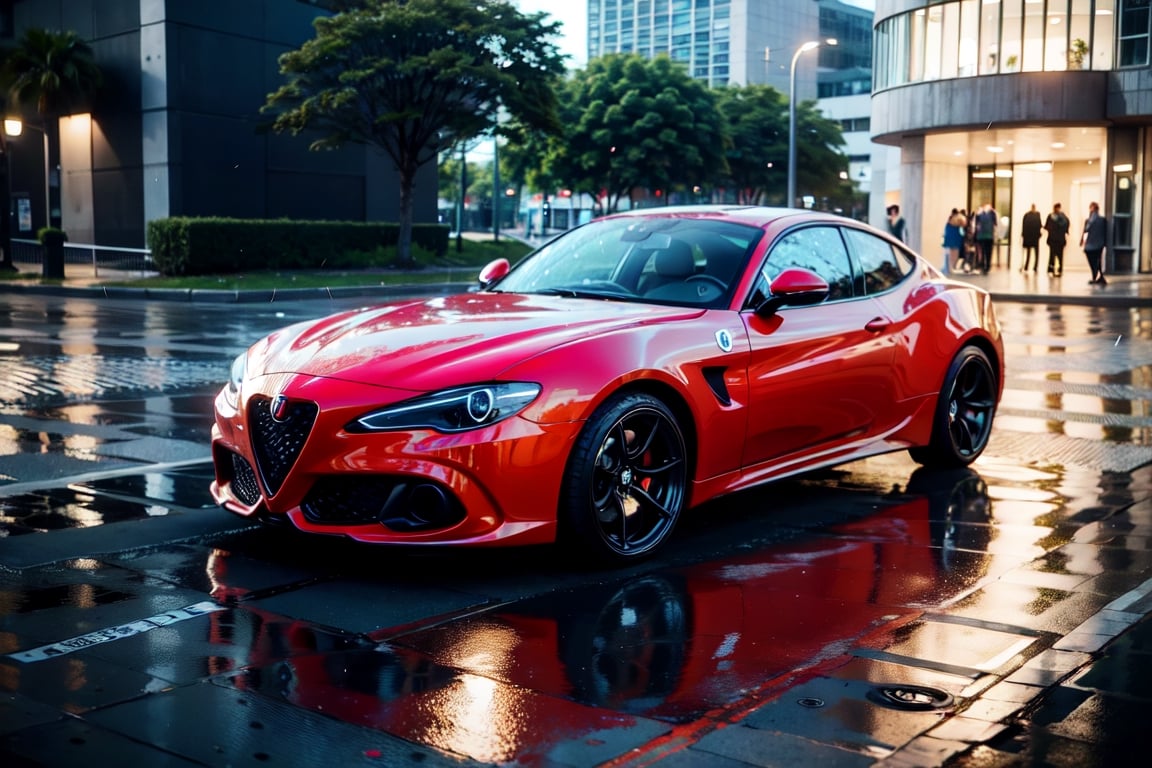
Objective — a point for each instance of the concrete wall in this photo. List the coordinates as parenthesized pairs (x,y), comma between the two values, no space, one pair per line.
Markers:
(1077,98)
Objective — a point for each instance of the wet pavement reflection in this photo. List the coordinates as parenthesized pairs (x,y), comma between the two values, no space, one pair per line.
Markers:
(109,499)
(833,618)
(865,621)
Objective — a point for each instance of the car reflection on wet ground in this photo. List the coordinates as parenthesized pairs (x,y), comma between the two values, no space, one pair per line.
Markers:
(875,611)
(868,612)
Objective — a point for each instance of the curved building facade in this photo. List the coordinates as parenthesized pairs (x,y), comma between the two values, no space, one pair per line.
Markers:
(1019,103)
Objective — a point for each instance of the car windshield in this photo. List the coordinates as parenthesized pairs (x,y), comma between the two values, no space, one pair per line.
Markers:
(687,261)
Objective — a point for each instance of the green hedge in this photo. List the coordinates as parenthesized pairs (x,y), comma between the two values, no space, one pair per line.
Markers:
(206,246)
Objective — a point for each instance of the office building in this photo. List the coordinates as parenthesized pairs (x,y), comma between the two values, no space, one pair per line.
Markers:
(176,129)
(1015,103)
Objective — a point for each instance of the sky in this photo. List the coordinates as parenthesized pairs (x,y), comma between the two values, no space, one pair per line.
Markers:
(573,14)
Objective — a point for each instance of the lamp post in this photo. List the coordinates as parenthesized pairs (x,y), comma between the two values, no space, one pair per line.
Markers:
(5,214)
(495,188)
(14,126)
(808,46)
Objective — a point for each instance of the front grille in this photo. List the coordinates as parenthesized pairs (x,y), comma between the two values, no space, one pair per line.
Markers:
(399,503)
(277,443)
(244,480)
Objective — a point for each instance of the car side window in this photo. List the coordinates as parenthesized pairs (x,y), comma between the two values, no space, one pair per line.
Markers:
(819,249)
(882,264)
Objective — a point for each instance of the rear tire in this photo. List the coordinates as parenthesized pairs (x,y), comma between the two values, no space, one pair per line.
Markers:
(626,483)
(962,422)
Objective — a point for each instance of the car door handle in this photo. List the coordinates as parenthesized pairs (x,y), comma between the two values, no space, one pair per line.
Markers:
(877,325)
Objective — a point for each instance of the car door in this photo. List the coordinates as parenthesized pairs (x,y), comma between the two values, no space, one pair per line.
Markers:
(819,375)
(885,272)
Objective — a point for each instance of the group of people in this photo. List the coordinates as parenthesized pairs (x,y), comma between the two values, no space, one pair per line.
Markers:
(969,239)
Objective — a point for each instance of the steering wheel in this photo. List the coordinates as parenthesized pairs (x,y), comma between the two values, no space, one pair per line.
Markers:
(723,286)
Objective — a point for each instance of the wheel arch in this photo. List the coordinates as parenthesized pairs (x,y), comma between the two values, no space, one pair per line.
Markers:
(676,403)
(985,345)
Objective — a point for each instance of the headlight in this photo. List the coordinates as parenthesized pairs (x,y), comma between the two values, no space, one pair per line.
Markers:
(453,410)
(235,379)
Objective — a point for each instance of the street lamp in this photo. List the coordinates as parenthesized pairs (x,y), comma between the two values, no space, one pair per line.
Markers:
(808,46)
(14,126)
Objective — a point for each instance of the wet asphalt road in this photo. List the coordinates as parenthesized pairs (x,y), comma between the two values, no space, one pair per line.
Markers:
(871,612)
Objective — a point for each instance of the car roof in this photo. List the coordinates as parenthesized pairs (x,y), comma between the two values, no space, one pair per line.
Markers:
(756,215)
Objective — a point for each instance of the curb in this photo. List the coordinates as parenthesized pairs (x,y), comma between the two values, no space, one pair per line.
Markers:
(1097,300)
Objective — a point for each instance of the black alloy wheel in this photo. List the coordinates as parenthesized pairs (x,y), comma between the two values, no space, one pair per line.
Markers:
(964,412)
(626,484)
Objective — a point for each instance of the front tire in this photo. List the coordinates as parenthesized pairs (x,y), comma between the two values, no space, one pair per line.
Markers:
(962,423)
(627,481)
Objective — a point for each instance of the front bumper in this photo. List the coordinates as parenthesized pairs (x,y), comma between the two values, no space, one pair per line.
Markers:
(498,485)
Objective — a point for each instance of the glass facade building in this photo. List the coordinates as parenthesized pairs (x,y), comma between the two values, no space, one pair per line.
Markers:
(745,42)
(1019,103)
(734,41)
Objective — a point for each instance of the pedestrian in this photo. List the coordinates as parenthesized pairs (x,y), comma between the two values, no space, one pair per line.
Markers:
(1030,237)
(954,241)
(969,239)
(1092,240)
(986,222)
(895,222)
(1057,226)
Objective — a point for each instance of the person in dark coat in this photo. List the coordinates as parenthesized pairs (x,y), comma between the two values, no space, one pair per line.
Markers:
(1092,240)
(986,221)
(1030,235)
(1057,226)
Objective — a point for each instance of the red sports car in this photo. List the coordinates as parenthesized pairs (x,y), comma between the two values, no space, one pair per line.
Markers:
(630,369)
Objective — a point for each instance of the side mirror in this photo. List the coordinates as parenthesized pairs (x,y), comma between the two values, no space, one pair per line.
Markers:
(493,271)
(794,287)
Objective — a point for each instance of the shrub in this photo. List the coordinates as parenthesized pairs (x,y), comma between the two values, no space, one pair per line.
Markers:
(201,246)
(50,235)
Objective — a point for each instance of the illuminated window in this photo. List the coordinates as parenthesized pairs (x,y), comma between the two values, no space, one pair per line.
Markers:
(965,38)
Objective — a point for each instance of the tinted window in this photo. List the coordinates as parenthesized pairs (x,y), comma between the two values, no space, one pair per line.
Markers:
(883,264)
(670,259)
(819,249)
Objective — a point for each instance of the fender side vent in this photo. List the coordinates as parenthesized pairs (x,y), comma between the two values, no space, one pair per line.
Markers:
(715,378)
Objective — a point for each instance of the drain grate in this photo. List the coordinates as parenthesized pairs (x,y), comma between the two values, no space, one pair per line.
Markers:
(914,698)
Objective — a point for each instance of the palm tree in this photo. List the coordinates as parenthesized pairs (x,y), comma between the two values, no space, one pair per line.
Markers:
(54,73)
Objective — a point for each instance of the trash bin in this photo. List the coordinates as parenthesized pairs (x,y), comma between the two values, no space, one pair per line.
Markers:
(53,241)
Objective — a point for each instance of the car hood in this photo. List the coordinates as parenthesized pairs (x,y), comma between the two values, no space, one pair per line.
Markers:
(440,342)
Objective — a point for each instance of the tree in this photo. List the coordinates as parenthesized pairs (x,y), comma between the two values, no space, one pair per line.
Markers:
(634,122)
(56,74)
(412,77)
(757,117)
(819,161)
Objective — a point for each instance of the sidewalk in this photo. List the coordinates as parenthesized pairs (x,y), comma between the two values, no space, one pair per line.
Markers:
(1071,288)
